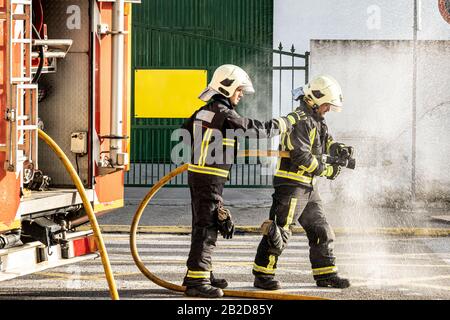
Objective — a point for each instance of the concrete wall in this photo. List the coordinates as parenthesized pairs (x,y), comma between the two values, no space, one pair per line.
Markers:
(296,22)
(377,80)
(367,45)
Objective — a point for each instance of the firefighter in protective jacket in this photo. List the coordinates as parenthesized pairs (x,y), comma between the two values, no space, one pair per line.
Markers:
(296,197)
(213,128)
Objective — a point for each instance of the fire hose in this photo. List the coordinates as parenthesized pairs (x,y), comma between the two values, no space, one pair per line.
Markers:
(90,212)
(171,286)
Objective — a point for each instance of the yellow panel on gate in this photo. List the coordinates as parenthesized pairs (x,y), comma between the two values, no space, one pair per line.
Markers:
(168,93)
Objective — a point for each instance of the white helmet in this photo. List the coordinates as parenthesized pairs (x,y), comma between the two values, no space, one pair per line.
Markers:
(324,89)
(226,79)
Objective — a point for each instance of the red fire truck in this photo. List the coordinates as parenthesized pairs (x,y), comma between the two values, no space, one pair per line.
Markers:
(64,69)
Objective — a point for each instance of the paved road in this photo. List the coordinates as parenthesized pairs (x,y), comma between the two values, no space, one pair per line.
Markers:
(387,267)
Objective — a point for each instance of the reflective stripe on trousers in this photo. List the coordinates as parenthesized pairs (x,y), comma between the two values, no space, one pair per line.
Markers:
(297,203)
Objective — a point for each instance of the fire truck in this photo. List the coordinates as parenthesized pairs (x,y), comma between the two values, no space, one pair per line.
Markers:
(65,70)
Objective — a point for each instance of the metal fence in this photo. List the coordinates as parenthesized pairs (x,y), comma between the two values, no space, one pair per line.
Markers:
(150,163)
(292,68)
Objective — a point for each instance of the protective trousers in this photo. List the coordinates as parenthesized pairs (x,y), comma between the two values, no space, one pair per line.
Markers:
(205,199)
(289,204)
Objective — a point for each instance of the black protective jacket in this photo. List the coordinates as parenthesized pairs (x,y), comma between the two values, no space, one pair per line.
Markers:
(306,143)
(214,129)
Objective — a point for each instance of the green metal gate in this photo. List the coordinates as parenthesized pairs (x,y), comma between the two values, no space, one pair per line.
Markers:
(200,34)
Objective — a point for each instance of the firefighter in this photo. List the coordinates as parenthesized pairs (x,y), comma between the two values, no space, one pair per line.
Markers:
(208,172)
(296,197)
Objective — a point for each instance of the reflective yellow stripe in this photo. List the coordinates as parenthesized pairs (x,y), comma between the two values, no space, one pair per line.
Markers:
(329,143)
(290,216)
(278,164)
(328,171)
(312,136)
(204,151)
(272,260)
(193,166)
(283,138)
(289,143)
(202,147)
(299,116)
(292,176)
(207,146)
(312,167)
(282,125)
(263,269)
(228,142)
(326,270)
(291,119)
(208,170)
(198,274)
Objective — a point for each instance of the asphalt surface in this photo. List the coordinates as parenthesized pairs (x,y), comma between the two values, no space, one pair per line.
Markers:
(380,268)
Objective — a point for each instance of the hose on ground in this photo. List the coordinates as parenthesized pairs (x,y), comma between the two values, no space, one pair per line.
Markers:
(90,212)
(168,285)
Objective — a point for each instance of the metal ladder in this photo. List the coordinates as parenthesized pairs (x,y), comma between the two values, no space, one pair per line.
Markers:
(21,95)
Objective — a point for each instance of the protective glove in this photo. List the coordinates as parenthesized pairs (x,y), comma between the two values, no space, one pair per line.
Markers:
(342,155)
(349,150)
(331,171)
(337,148)
(277,237)
(224,222)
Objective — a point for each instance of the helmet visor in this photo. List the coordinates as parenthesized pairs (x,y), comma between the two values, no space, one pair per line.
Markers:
(247,87)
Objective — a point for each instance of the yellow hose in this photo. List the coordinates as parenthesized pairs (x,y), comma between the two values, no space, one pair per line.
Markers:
(90,212)
(168,285)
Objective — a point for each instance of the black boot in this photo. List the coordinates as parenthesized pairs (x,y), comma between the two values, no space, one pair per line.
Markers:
(266,283)
(204,291)
(333,282)
(218,283)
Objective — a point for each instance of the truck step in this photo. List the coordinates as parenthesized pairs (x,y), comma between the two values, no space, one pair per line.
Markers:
(34,256)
